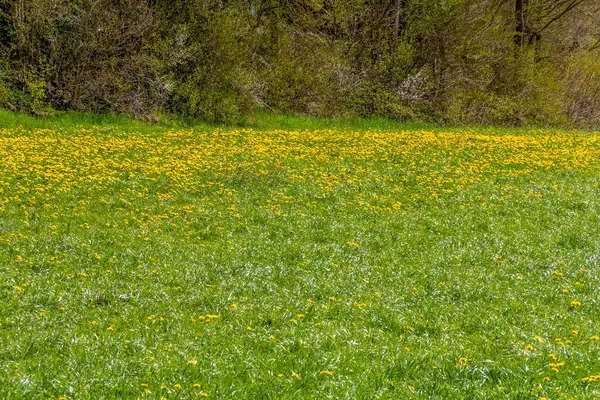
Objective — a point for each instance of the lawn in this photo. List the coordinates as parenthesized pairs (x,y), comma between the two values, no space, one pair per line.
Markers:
(322,260)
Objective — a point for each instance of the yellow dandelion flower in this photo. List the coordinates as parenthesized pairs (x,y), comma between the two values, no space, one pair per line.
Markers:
(192,362)
(326,372)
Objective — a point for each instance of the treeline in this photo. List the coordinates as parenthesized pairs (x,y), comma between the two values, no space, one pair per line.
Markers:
(456,61)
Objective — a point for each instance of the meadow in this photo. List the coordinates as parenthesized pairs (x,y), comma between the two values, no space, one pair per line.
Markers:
(360,259)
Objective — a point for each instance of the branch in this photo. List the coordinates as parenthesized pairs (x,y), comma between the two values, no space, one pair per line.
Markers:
(570,7)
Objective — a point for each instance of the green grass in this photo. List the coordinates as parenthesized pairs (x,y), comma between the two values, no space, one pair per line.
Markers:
(258,121)
(366,259)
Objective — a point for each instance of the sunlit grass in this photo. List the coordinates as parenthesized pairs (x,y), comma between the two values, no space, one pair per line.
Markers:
(148,262)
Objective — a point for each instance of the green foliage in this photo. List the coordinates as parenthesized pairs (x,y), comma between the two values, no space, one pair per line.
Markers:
(6,26)
(5,95)
(33,97)
(455,61)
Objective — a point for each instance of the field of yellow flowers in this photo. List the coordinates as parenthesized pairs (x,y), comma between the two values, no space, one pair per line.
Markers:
(240,263)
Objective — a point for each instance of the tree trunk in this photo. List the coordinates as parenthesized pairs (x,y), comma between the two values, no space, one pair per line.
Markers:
(400,19)
(520,23)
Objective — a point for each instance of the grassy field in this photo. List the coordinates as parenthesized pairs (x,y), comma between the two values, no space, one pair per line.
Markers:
(344,259)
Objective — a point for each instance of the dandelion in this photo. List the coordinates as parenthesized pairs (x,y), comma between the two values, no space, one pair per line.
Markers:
(528,348)
(110,328)
(296,375)
(192,362)
(575,304)
(197,385)
(326,372)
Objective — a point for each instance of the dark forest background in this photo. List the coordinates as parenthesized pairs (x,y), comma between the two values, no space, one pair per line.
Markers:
(509,62)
